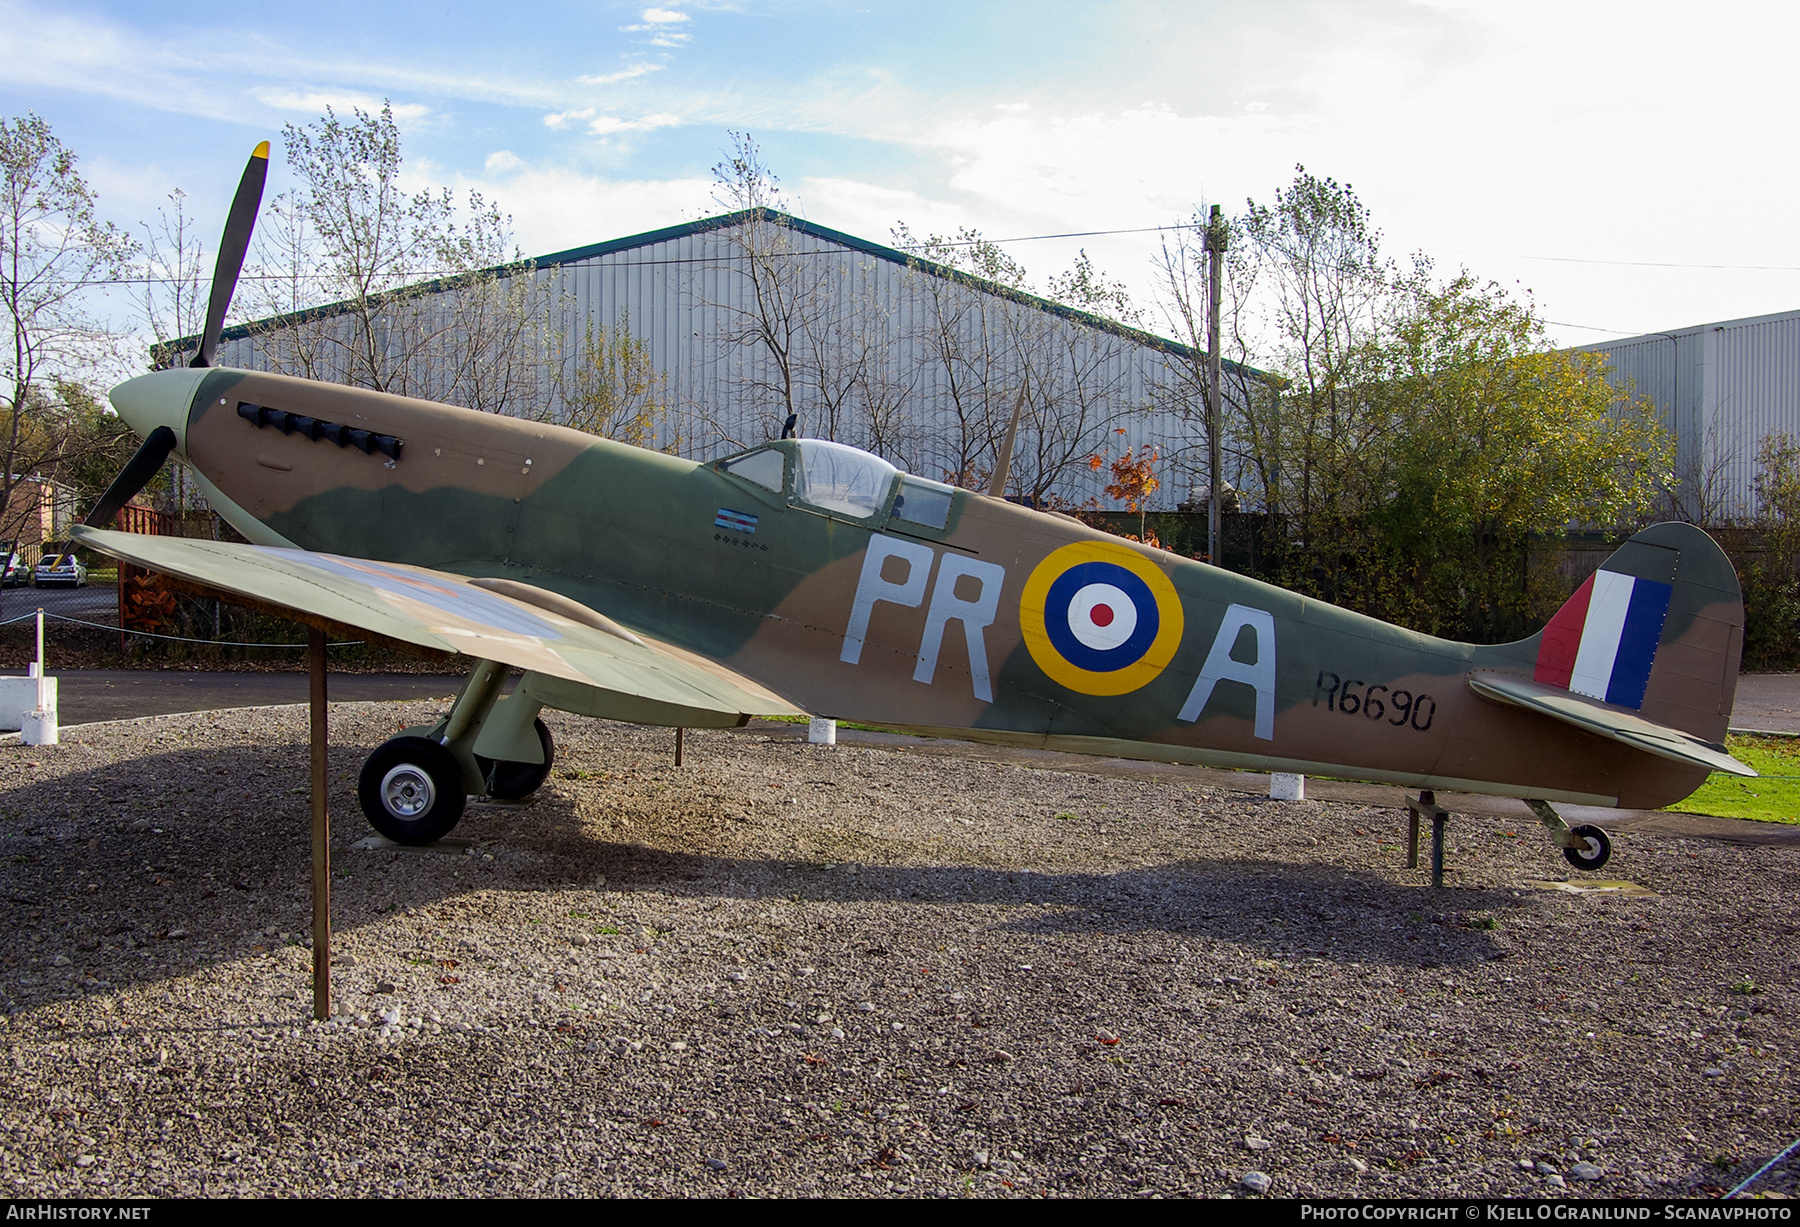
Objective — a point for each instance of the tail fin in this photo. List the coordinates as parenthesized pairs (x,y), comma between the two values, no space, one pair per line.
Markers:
(1657,629)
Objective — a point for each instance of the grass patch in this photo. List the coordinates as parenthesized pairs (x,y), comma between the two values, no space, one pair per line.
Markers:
(1774,797)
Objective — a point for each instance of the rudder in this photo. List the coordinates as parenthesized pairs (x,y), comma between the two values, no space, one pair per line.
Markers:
(1658,629)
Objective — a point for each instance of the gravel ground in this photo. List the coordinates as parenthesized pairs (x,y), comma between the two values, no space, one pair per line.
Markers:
(789,970)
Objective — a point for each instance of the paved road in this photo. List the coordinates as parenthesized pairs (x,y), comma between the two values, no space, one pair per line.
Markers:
(94,603)
(87,695)
(1767,701)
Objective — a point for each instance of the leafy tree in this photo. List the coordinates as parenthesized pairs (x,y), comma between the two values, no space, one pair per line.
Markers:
(1133,481)
(1490,445)
(1766,556)
(53,251)
(1415,446)
(612,387)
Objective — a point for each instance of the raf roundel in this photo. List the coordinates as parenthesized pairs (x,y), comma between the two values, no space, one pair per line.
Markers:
(1100,618)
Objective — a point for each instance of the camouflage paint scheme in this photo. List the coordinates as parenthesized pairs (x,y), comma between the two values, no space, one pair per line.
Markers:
(1257,671)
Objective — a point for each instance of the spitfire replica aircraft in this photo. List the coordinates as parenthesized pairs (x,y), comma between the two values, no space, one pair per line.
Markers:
(804,576)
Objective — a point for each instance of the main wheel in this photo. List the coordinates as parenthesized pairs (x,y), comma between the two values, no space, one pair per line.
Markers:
(411,790)
(1594,850)
(510,781)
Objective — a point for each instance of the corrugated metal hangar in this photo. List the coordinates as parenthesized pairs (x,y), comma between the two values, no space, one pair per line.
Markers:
(1722,389)
(749,316)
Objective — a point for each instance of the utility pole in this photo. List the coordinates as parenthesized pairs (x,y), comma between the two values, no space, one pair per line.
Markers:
(1215,250)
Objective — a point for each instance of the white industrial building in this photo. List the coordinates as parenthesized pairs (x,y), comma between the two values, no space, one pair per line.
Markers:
(1722,389)
(750,316)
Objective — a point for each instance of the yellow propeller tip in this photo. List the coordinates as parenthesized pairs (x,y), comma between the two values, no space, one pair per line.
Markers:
(262,151)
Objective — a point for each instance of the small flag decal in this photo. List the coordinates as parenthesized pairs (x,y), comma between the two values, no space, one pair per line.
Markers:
(735,521)
(1603,642)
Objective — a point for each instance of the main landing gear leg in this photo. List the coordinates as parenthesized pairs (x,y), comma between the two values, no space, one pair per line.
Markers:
(1425,806)
(413,787)
(1585,847)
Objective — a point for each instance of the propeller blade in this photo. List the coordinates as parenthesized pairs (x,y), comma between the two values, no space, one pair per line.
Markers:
(232,249)
(133,477)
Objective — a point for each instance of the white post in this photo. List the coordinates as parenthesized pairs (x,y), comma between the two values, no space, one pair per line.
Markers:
(38,727)
(1284,786)
(822,732)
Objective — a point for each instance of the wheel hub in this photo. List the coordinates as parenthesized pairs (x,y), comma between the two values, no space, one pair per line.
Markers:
(407,791)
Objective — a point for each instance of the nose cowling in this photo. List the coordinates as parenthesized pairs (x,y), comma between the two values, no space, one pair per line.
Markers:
(161,398)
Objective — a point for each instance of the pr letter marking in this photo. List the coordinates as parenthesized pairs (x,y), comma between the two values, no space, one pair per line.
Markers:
(1220,667)
(871,587)
(976,616)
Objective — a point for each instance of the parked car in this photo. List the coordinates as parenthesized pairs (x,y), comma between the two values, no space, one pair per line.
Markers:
(13,571)
(59,568)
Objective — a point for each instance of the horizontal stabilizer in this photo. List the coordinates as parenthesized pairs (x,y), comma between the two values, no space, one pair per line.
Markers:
(543,633)
(1604,720)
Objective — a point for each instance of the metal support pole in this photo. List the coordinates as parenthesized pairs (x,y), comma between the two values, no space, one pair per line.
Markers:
(1420,807)
(321,833)
(678,739)
(1215,248)
(1438,821)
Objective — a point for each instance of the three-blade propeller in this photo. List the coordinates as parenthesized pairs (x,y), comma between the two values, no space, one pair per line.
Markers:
(233,247)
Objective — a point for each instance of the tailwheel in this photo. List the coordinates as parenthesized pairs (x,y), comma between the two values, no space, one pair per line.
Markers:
(411,790)
(1591,849)
(510,781)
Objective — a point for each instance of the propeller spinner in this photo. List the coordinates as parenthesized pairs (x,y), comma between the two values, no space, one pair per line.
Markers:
(141,401)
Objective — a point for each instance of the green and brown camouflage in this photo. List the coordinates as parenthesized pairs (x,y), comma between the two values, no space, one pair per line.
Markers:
(803,575)
(858,592)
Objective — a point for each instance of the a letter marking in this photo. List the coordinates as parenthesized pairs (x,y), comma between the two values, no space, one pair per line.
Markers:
(1220,667)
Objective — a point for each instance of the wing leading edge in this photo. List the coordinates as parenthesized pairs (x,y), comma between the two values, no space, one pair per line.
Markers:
(589,664)
(1605,720)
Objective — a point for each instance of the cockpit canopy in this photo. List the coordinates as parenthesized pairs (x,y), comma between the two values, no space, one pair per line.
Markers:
(843,481)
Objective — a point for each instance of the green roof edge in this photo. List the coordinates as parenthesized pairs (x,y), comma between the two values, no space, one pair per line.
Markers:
(575,255)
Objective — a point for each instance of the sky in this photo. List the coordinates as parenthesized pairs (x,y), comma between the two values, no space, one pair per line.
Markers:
(1631,166)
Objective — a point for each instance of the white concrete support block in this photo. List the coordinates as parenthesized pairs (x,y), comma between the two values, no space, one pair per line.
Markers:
(822,732)
(38,728)
(1286,787)
(19,695)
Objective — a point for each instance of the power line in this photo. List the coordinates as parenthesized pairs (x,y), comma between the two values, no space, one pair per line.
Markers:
(1754,268)
(1591,328)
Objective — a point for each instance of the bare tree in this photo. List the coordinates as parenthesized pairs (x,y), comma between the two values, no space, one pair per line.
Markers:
(773,291)
(425,299)
(987,339)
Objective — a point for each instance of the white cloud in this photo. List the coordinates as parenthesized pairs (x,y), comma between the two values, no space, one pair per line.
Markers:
(639,69)
(555,208)
(562,119)
(607,125)
(663,17)
(340,101)
(501,161)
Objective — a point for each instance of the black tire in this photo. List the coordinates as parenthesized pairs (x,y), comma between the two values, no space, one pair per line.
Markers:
(1594,850)
(411,790)
(510,781)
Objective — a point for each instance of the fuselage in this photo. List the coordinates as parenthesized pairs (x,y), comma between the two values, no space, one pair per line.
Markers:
(979,615)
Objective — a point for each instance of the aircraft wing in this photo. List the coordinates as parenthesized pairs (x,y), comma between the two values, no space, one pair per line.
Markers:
(1604,720)
(614,671)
